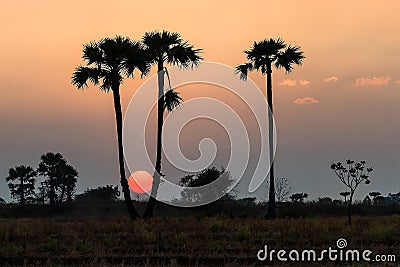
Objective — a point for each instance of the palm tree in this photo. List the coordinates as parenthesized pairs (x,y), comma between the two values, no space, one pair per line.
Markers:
(110,60)
(49,167)
(21,181)
(166,47)
(67,182)
(261,57)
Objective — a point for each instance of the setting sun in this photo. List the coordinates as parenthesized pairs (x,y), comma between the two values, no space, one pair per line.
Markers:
(140,182)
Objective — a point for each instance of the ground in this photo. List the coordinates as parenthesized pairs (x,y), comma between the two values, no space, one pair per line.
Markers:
(188,241)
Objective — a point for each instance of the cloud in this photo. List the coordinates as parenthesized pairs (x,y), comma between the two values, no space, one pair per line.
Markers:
(306,100)
(288,82)
(332,79)
(304,82)
(375,81)
(398,82)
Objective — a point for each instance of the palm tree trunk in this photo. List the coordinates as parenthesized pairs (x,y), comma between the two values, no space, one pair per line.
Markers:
(60,200)
(52,193)
(124,182)
(271,214)
(21,187)
(149,212)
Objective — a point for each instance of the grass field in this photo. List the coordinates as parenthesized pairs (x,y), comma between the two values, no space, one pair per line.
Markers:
(189,241)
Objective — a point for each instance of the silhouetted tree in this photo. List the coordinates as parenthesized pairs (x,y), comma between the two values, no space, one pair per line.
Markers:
(325,200)
(345,195)
(299,197)
(66,182)
(367,200)
(283,189)
(106,193)
(223,182)
(261,57)
(2,201)
(50,166)
(21,181)
(108,60)
(374,195)
(351,176)
(394,198)
(165,48)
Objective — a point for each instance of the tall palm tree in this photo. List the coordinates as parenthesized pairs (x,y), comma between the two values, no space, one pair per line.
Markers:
(165,47)
(21,181)
(110,60)
(261,57)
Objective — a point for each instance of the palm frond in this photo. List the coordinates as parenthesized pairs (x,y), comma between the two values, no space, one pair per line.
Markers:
(82,74)
(184,55)
(92,54)
(291,56)
(243,70)
(172,100)
(169,47)
(136,58)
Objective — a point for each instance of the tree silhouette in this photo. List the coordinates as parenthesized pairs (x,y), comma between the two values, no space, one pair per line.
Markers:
(223,182)
(283,189)
(345,195)
(108,61)
(261,57)
(351,176)
(374,196)
(21,181)
(66,183)
(101,194)
(50,168)
(163,47)
(299,197)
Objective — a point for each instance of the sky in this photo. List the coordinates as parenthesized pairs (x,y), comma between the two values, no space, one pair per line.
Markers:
(341,103)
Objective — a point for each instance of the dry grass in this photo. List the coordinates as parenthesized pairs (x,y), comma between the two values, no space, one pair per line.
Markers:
(188,241)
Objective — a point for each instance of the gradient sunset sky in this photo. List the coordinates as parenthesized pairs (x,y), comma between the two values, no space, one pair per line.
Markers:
(342,103)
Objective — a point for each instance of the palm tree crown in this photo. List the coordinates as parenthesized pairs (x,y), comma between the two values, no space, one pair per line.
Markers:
(169,47)
(108,60)
(267,52)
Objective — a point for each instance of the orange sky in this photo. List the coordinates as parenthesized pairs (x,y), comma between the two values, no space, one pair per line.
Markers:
(41,43)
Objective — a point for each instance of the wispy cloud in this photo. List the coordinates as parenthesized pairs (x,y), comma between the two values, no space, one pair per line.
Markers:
(306,100)
(332,79)
(304,82)
(375,81)
(288,82)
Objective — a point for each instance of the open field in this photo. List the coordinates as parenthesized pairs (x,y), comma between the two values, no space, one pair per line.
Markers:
(189,241)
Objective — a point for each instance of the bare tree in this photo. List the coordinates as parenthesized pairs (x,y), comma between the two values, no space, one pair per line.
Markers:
(351,176)
(283,189)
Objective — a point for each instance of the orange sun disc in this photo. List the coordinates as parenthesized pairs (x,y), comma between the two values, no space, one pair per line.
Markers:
(140,182)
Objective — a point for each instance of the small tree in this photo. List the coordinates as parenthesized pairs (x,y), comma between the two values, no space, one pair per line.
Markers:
(299,197)
(345,195)
(374,195)
(21,181)
(223,181)
(352,176)
(283,189)
(101,194)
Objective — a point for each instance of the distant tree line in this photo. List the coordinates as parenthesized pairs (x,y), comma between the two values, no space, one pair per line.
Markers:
(58,186)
